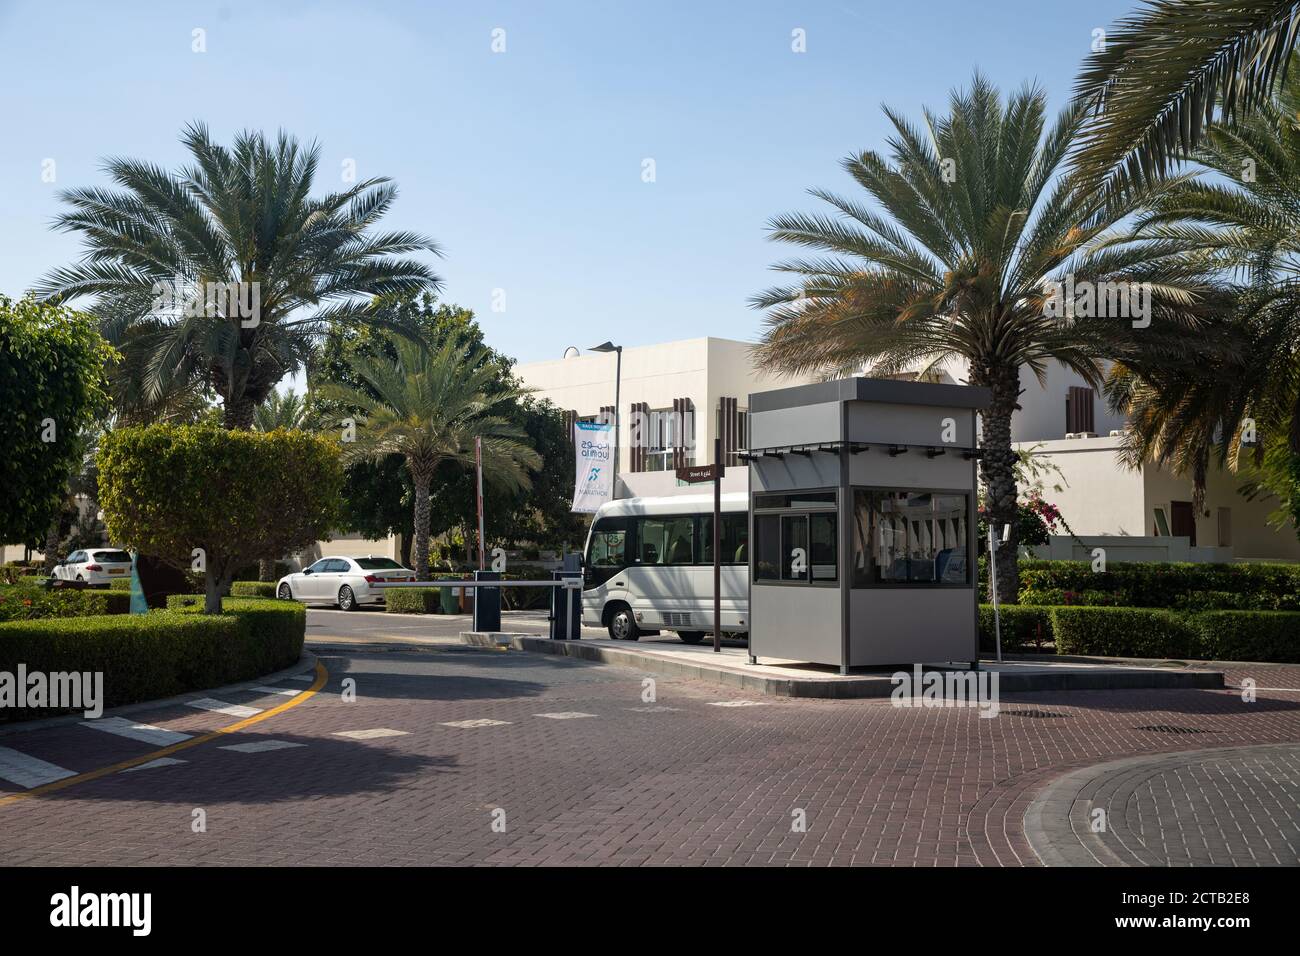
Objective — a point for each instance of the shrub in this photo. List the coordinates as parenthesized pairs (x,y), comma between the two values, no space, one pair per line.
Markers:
(1167,585)
(413,601)
(1249,635)
(254,589)
(27,603)
(1022,626)
(159,654)
(236,495)
(1123,632)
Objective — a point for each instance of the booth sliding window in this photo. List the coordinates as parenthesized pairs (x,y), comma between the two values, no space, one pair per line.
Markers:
(910,538)
(794,538)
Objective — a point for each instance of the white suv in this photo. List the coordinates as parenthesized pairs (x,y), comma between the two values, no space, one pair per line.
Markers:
(94,566)
(342,581)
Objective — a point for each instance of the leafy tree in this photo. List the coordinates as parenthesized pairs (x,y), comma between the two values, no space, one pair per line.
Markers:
(52,367)
(237,495)
(975,219)
(429,407)
(1155,81)
(162,248)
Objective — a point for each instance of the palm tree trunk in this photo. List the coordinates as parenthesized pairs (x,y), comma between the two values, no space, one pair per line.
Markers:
(239,413)
(420,545)
(998,467)
(266,570)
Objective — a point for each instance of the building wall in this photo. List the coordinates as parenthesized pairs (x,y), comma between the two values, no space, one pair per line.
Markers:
(1097,494)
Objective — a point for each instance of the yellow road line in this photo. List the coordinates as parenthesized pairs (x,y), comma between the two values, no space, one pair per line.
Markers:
(321,676)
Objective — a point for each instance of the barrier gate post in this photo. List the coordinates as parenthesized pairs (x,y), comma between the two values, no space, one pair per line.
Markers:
(487,603)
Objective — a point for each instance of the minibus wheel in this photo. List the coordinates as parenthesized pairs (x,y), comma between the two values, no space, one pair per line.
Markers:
(622,625)
(691,637)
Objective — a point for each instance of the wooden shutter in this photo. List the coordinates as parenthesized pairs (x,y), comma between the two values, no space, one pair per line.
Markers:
(1078,410)
(683,411)
(729,431)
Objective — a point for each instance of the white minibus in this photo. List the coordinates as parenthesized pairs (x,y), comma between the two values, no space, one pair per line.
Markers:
(649,567)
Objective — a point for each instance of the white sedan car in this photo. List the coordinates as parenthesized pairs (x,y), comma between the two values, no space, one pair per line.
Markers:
(94,566)
(342,581)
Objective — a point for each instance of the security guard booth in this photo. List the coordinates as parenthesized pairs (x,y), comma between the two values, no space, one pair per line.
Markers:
(863,538)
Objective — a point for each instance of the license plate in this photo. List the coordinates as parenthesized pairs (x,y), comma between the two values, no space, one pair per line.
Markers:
(117,570)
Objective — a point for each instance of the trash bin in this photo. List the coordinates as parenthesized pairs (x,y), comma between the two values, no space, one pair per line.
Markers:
(450,601)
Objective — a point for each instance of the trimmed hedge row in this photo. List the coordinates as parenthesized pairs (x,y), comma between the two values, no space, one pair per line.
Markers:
(1022,626)
(413,601)
(1265,636)
(159,654)
(252,589)
(1193,587)
(27,603)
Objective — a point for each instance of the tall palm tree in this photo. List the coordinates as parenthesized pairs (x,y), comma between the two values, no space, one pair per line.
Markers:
(429,406)
(1154,84)
(974,219)
(163,248)
(1244,220)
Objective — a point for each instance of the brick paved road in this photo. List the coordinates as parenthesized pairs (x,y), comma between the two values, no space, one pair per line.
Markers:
(586,771)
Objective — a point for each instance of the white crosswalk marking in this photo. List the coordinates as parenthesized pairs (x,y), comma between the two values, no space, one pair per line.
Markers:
(221,707)
(565,715)
(29,771)
(479,722)
(146,733)
(261,746)
(154,764)
(284,691)
(736,703)
(370,734)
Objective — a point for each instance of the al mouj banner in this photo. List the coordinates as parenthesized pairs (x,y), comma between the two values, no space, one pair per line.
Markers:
(594,454)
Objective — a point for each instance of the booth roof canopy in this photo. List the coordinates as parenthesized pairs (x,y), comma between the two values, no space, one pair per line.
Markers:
(883,390)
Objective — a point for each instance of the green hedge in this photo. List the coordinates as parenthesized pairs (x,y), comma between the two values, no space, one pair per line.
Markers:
(1249,635)
(22,602)
(1124,632)
(413,601)
(1274,587)
(252,589)
(1022,626)
(159,654)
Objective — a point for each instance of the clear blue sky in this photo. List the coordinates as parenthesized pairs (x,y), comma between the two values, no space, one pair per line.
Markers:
(525,165)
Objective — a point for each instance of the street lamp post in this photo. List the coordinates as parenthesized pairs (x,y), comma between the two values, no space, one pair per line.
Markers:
(618,381)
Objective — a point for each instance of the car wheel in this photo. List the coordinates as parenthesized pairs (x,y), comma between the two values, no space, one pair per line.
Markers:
(80,578)
(347,600)
(285,593)
(691,637)
(622,625)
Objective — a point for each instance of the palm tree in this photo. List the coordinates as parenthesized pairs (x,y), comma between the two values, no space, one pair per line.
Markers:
(230,266)
(429,406)
(1154,85)
(975,219)
(285,409)
(1244,220)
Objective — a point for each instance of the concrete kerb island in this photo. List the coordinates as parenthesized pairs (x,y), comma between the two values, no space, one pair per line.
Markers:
(792,679)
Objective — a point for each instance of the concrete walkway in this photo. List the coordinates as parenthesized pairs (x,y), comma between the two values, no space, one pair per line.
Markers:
(731,667)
